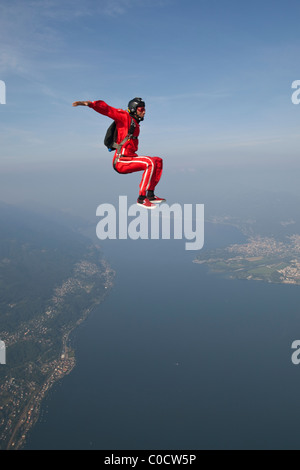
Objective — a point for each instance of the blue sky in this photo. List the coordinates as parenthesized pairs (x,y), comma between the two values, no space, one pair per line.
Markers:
(216,77)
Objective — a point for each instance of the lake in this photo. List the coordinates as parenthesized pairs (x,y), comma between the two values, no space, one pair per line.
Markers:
(178,358)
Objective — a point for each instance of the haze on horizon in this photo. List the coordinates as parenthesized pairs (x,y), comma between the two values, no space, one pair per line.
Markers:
(216,79)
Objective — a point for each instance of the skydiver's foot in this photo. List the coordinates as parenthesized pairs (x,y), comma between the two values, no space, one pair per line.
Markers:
(156,200)
(144,201)
(152,198)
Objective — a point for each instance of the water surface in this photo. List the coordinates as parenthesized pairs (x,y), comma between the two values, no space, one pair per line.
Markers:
(177,358)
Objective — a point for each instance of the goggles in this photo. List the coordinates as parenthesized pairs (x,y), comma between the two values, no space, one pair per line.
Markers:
(141,109)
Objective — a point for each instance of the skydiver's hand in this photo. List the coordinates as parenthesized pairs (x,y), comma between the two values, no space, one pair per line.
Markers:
(81,103)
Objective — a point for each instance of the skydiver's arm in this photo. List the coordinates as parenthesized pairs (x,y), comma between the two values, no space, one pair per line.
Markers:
(81,103)
(119,115)
(101,107)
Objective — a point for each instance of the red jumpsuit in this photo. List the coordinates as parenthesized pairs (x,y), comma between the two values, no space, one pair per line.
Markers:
(128,161)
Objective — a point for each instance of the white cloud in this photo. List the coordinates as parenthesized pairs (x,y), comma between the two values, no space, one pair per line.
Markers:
(24,37)
(32,31)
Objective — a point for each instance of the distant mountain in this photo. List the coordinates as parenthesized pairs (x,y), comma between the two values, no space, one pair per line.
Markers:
(36,254)
(261,213)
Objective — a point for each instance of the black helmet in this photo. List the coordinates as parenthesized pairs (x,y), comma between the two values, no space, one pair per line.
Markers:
(134,104)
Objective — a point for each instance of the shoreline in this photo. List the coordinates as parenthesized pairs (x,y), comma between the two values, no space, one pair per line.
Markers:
(64,367)
(21,419)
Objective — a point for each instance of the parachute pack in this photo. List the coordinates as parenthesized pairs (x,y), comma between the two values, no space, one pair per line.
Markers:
(111,136)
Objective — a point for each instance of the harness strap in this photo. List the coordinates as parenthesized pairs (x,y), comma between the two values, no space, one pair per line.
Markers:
(120,145)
